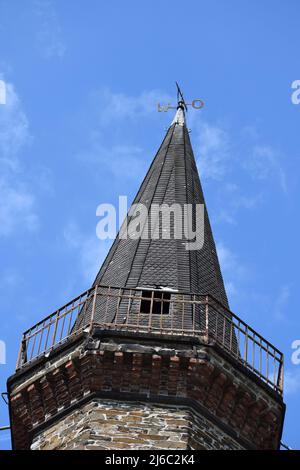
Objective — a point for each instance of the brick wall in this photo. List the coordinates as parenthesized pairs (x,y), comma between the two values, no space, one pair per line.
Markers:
(108,424)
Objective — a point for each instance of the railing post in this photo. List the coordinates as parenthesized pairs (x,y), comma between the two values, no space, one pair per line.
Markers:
(151,310)
(22,354)
(55,329)
(206,317)
(130,296)
(281,375)
(194,313)
(119,297)
(106,304)
(93,308)
(183,313)
(246,346)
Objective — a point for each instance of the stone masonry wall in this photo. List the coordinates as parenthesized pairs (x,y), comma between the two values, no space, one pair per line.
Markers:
(107,424)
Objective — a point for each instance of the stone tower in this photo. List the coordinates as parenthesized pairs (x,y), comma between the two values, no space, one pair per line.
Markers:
(150,357)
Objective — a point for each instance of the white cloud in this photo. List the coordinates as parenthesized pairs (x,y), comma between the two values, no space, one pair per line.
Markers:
(16,210)
(214,150)
(228,263)
(264,162)
(121,107)
(281,302)
(90,250)
(221,162)
(122,161)
(114,112)
(14,128)
(226,257)
(17,203)
(231,268)
(218,156)
(49,33)
(292,381)
(231,199)
(9,279)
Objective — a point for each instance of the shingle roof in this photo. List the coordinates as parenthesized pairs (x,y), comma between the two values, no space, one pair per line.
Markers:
(171,178)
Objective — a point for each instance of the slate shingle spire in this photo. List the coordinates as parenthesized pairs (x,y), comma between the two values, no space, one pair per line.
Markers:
(171,179)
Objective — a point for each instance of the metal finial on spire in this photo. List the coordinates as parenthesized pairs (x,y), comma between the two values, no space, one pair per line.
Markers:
(180,98)
(179,117)
(181,104)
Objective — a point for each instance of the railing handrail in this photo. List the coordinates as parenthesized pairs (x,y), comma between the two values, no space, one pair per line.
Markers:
(232,314)
(249,328)
(231,326)
(61,308)
(210,296)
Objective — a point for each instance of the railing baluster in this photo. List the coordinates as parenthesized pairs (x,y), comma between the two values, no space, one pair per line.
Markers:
(40,342)
(62,325)
(182,317)
(128,306)
(173,312)
(94,304)
(70,322)
(84,308)
(161,311)
(47,337)
(267,365)
(151,310)
(119,296)
(33,346)
(106,304)
(206,319)
(22,353)
(253,354)
(280,374)
(274,371)
(194,313)
(55,329)
(260,358)
(246,346)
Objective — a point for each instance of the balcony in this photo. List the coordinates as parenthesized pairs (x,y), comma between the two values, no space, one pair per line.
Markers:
(159,312)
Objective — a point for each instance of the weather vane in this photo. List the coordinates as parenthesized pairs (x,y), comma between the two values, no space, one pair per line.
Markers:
(196,104)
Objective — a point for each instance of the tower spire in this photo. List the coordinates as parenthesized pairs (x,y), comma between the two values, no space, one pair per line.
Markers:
(150,357)
(172,179)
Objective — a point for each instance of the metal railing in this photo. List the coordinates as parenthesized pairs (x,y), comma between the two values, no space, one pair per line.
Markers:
(159,312)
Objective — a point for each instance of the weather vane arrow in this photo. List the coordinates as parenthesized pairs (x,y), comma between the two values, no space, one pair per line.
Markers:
(196,103)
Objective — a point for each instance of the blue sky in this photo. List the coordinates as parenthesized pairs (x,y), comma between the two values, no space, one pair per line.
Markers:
(80,128)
